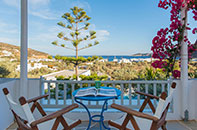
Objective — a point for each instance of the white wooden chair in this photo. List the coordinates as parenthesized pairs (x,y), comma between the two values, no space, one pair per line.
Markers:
(26,121)
(142,121)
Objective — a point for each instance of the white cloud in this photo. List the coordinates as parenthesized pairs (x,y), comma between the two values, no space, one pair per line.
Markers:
(9,40)
(102,35)
(7,28)
(82,4)
(32,3)
(44,14)
(36,3)
(14,3)
(38,8)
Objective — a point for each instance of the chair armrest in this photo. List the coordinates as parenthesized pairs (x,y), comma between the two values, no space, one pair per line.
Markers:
(54,114)
(37,98)
(133,112)
(148,95)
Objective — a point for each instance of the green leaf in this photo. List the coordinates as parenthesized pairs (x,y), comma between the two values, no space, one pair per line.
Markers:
(54,42)
(88,18)
(66,39)
(60,35)
(82,14)
(61,24)
(93,37)
(77,33)
(96,43)
(69,27)
(72,34)
(89,45)
(67,14)
(92,33)
(87,24)
(62,45)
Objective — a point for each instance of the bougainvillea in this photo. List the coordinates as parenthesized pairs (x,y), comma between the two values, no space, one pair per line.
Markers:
(167,43)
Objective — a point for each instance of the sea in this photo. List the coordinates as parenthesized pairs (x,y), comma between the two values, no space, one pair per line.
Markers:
(118,57)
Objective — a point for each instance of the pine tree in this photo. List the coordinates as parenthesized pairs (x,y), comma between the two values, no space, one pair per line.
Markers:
(77,22)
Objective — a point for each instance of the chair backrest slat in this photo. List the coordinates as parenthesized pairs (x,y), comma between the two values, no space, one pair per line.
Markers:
(15,107)
(27,110)
(163,103)
(22,111)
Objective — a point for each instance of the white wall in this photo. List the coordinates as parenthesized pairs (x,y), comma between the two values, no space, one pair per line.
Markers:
(177,101)
(34,90)
(6,117)
(192,99)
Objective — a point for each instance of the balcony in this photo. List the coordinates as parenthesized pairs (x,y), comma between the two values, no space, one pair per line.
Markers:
(60,96)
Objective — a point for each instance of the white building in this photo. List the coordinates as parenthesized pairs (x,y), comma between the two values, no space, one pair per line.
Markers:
(38,60)
(65,73)
(6,53)
(31,67)
(103,60)
(123,60)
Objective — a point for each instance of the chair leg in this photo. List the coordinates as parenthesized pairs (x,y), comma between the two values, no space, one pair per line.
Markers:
(164,126)
(33,107)
(153,126)
(151,106)
(144,105)
(64,123)
(111,123)
(56,123)
(134,123)
(75,124)
(38,106)
(125,122)
(40,109)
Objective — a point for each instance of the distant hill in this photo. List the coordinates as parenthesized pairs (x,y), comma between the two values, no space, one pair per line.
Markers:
(13,51)
(142,54)
(194,55)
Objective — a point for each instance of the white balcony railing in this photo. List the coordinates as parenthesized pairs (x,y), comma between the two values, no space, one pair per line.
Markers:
(60,92)
(36,87)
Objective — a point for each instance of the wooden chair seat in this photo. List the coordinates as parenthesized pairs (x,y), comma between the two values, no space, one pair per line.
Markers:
(24,115)
(141,121)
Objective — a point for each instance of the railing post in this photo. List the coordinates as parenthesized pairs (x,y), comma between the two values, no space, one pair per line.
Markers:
(41,88)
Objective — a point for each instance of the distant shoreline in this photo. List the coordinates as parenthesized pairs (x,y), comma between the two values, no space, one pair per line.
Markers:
(118,57)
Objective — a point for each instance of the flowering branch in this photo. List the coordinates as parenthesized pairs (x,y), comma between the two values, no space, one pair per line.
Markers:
(167,44)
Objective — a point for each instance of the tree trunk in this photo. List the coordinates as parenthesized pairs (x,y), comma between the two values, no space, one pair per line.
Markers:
(76,66)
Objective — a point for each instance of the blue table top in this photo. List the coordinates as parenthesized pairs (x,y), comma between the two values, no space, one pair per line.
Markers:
(97,98)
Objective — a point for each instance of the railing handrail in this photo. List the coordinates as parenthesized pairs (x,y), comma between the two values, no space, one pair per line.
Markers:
(108,81)
(63,96)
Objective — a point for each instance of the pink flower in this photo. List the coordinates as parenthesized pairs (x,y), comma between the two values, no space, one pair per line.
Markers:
(176,74)
(194,30)
(166,44)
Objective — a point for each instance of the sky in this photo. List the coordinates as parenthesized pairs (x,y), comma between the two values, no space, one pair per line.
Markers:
(124,27)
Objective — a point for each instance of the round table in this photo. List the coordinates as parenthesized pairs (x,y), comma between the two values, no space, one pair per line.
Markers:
(96,98)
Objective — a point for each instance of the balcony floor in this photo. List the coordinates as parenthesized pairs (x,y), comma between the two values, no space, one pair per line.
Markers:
(171,125)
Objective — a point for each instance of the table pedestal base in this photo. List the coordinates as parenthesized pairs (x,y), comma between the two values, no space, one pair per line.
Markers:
(101,117)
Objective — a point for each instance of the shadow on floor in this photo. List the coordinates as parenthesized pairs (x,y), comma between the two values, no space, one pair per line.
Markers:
(171,125)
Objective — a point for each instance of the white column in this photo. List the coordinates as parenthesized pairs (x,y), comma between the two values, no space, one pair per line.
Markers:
(24,42)
(184,69)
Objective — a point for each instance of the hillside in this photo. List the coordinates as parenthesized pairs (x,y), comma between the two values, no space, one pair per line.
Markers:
(13,51)
(142,54)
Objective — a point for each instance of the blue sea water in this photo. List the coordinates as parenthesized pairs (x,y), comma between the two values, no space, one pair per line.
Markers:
(119,57)
(111,58)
